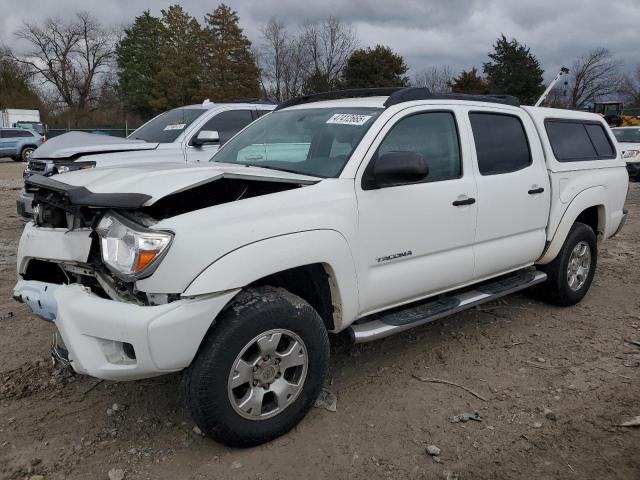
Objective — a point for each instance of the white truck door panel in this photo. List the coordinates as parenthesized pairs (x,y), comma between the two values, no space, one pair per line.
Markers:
(513,191)
(413,241)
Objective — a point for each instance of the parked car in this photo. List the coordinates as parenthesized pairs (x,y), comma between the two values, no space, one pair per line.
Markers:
(368,215)
(19,143)
(629,140)
(186,134)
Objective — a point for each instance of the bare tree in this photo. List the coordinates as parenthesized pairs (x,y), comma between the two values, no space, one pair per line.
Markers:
(631,87)
(593,75)
(327,44)
(436,78)
(282,61)
(69,56)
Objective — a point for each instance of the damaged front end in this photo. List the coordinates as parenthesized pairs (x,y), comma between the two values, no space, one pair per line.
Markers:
(81,258)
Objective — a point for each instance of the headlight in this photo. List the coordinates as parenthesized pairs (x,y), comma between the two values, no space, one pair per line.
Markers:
(631,155)
(128,249)
(72,166)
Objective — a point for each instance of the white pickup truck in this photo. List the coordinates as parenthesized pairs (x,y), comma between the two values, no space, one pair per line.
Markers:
(371,214)
(190,134)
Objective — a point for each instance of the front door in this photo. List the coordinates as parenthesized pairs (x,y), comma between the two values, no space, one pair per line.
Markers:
(417,239)
(513,191)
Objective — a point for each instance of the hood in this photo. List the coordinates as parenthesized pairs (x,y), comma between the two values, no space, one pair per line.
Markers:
(144,185)
(73,144)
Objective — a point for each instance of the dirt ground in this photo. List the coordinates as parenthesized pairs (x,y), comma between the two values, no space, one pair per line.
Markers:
(521,356)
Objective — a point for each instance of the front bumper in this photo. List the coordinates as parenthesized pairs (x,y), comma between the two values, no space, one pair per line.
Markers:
(101,334)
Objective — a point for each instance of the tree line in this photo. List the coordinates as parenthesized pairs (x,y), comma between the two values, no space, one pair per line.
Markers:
(80,72)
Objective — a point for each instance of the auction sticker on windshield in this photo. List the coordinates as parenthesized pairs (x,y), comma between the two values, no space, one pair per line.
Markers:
(348,119)
(175,126)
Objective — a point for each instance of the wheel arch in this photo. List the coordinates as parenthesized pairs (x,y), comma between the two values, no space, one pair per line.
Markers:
(316,265)
(588,207)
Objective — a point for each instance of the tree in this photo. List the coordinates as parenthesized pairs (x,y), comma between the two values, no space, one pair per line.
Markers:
(631,87)
(178,80)
(139,59)
(375,67)
(513,70)
(593,76)
(70,56)
(230,69)
(282,61)
(469,82)
(437,79)
(15,89)
(327,45)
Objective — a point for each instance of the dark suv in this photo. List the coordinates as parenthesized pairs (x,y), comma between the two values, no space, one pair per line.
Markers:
(19,143)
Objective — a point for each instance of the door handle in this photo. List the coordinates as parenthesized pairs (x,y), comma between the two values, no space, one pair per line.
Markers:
(535,191)
(466,201)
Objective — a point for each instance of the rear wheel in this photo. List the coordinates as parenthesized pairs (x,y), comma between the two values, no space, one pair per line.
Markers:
(26,153)
(259,369)
(570,274)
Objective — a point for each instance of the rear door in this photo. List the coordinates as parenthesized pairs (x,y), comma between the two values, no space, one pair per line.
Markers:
(10,142)
(513,190)
(227,123)
(4,151)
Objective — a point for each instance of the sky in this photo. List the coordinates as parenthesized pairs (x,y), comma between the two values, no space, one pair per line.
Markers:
(458,33)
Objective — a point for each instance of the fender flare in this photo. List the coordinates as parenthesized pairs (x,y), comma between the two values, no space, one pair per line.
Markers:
(590,197)
(251,262)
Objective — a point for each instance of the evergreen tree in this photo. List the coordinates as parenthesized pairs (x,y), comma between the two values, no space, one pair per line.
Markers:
(375,67)
(15,90)
(230,71)
(469,82)
(177,82)
(513,70)
(139,60)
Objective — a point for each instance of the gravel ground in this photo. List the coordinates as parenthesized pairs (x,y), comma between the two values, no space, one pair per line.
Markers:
(555,386)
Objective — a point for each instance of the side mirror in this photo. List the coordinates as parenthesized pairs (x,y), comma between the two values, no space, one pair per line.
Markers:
(206,137)
(396,168)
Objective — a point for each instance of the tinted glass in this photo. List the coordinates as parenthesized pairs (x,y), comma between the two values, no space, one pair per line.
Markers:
(501,143)
(168,126)
(434,136)
(574,141)
(311,141)
(17,133)
(228,123)
(599,139)
(262,112)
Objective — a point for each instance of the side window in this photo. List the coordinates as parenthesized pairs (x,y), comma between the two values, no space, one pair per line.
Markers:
(228,123)
(434,135)
(575,141)
(501,143)
(260,113)
(2,133)
(22,133)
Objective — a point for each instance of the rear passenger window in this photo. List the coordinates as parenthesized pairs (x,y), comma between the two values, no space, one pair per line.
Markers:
(574,141)
(501,143)
(434,135)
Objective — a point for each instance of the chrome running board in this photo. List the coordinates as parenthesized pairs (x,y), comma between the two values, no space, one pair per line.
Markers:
(383,324)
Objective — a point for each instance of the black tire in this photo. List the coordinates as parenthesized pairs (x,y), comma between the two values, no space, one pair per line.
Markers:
(251,313)
(16,159)
(25,155)
(555,289)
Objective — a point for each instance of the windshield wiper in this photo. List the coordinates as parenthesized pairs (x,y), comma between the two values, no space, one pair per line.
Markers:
(279,169)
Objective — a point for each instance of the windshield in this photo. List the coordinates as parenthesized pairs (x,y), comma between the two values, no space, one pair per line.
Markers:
(627,135)
(167,126)
(312,141)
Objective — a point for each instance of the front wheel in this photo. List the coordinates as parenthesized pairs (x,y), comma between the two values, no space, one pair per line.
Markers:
(259,369)
(570,274)
(26,153)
